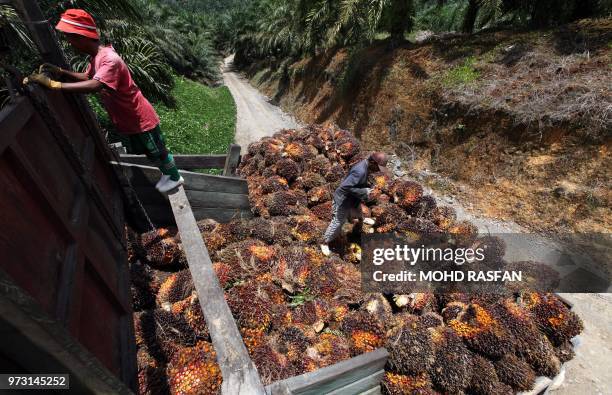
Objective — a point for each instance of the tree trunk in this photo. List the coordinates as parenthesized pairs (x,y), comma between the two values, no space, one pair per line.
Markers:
(401,19)
(469,20)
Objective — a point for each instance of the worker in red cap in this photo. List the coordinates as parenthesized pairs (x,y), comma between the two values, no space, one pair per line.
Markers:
(107,73)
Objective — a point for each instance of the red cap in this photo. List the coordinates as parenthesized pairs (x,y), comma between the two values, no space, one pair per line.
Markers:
(75,21)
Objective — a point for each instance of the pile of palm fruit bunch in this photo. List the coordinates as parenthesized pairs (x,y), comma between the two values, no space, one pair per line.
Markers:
(299,310)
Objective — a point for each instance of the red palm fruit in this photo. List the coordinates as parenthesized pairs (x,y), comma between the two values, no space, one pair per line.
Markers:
(151,375)
(377,305)
(553,317)
(175,287)
(530,344)
(400,384)
(293,342)
(253,338)
(380,181)
(274,184)
(207,225)
(515,372)
(451,371)
(310,313)
(319,164)
(309,180)
(410,347)
(329,348)
(417,302)
(322,281)
(190,310)
(494,249)
(143,286)
(294,150)
(161,333)
(214,241)
(249,257)
(279,203)
(484,380)
(287,169)
(335,173)
(348,147)
(269,171)
(565,351)
(431,319)
(444,217)
(319,195)
(234,231)
(271,364)
(194,371)
(482,331)
(406,193)
(251,305)
(225,274)
(364,332)
(254,148)
(323,211)
(416,229)
(341,134)
(281,231)
(464,232)
(262,229)
(349,277)
(353,254)
(307,228)
(253,166)
(388,214)
(292,268)
(452,309)
(314,140)
(423,207)
(325,133)
(535,276)
(159,248)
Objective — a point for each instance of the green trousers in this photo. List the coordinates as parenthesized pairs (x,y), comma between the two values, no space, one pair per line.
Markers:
(153,145)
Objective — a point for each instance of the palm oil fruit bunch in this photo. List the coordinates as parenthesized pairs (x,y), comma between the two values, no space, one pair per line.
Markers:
(194,370)
(298,310)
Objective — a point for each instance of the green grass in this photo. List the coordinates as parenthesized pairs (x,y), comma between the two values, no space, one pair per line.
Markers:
(461,75)
(204,121)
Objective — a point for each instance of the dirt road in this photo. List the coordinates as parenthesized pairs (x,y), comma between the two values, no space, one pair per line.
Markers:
(256,117)
(588,372)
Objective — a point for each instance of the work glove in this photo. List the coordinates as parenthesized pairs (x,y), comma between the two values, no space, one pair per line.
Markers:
(48,68)
(43,80)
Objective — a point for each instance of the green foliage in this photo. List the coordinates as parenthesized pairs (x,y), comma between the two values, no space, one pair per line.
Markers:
(462,74)
(301,298)
(184,37)
(204,120)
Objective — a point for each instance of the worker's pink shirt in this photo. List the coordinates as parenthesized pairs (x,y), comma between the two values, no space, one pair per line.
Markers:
(129,110)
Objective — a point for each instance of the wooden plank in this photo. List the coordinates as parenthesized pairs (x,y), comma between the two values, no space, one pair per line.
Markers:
(232,160)
(148,176)
(333,377)
(239,373)
(198,199)
(186,162)
(373,391)
(365,384)
(162,215)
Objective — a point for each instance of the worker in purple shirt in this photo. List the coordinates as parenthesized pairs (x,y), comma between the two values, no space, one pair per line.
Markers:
(348,196)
